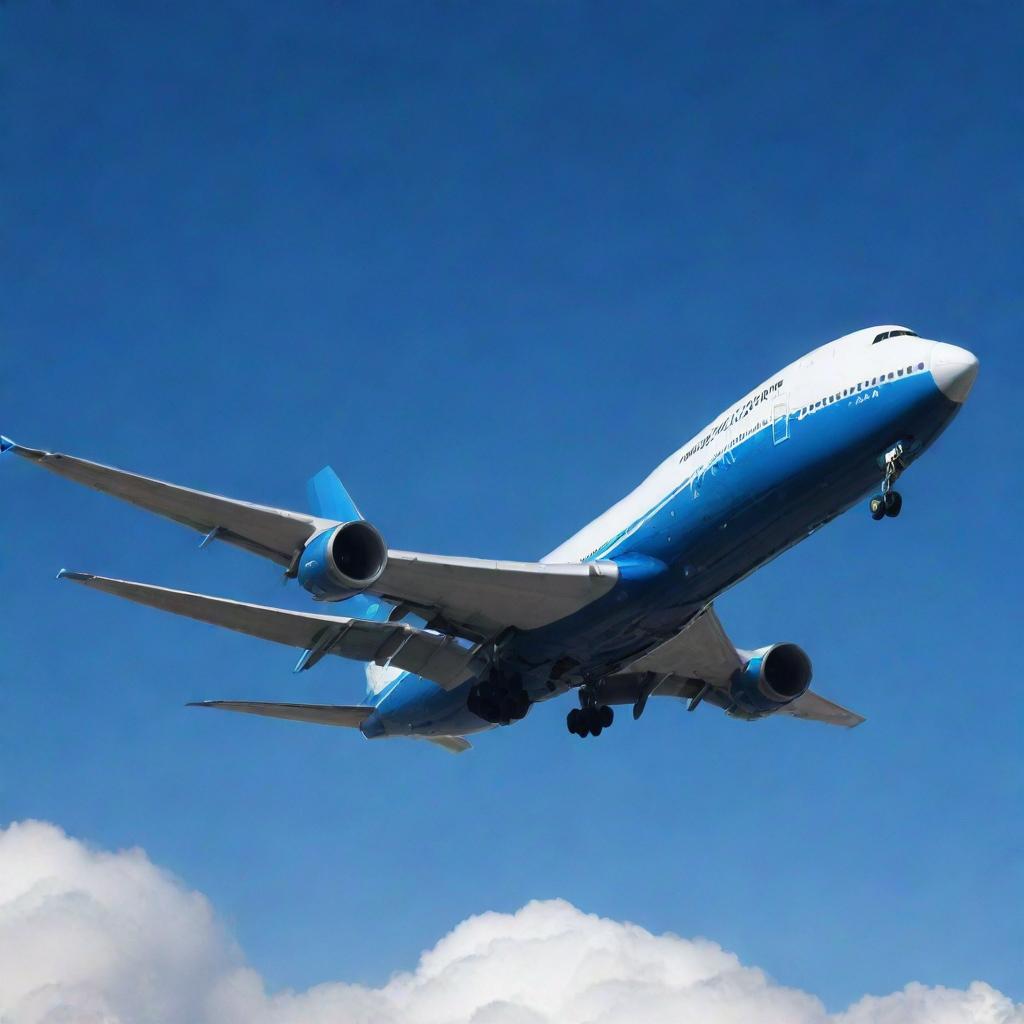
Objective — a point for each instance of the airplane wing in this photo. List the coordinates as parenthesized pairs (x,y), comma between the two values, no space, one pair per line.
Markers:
(271,532)
(700,650)
(703,652)
(473,597)
(480,597)
(432,655)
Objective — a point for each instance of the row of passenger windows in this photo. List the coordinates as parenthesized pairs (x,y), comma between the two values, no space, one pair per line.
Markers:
(893,334)
(860,386)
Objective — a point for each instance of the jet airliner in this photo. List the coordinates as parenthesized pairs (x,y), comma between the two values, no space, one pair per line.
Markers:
(621,612)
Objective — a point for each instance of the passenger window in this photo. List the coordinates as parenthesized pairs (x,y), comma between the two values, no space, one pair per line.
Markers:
(920,366)
(899,372)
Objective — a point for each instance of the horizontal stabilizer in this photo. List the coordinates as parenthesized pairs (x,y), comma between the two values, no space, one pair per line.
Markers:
(453,744)
(319,714)
(815,708)
(433,656)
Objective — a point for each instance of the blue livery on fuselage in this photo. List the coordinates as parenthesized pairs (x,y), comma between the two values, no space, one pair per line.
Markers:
(789,476)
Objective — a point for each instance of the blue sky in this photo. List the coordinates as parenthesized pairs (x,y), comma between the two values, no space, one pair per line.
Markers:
(493,262)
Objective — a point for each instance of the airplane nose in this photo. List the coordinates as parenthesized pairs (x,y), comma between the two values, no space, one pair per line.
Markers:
(954,370)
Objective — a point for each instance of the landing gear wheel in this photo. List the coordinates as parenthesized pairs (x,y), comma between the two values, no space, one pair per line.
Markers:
(877,507)
(893,503)
(576,722)
(605,716)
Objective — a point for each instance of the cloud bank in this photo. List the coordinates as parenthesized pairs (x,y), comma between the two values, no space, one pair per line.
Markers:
(91,937)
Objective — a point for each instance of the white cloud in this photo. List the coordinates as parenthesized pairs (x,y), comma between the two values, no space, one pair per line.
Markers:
(88,937)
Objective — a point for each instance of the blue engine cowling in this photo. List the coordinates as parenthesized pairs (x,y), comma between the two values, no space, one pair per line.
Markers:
(772,677)
(343,561)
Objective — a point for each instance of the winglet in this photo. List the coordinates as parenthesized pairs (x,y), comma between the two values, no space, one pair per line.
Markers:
(6,444)
(77,577)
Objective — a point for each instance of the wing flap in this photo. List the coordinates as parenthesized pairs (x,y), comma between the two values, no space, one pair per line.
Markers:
(350,717)
(432,655)
(271,532)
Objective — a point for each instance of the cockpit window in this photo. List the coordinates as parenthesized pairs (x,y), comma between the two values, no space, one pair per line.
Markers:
(892,334)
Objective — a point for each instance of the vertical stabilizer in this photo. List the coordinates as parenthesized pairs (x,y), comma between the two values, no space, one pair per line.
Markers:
(329,499)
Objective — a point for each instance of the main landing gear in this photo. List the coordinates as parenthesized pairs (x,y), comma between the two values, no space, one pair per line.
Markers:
(499,700)
(590,718)
(889,502)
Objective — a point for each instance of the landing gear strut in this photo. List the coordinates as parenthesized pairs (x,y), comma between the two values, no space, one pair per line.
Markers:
(589,719)
(889,502)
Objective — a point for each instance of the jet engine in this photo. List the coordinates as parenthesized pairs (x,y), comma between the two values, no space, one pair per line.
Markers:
(772,677)
(344,561)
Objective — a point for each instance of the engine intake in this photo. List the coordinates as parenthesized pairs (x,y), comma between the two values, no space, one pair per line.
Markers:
(339,563)
(772,677)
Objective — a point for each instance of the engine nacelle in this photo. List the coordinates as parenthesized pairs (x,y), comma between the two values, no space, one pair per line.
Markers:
(772,677)
(342,562)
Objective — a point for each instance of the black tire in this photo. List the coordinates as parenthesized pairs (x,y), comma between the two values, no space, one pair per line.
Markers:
(893,504)
(605,717)
(574,722)
(595,730)
(877,507)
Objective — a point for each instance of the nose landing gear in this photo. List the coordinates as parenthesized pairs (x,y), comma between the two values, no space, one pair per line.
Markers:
(589,719)
(889,502)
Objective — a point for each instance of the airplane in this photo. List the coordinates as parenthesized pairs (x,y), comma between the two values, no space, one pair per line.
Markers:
(620,612)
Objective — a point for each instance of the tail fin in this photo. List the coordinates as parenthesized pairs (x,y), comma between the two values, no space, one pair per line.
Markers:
(329,499)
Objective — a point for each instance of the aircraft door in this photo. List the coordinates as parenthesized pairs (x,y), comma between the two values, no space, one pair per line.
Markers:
(780,419)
